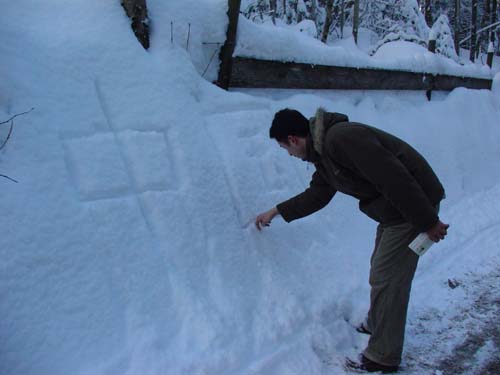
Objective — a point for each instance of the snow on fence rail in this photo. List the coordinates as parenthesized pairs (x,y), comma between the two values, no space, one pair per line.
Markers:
(255,73)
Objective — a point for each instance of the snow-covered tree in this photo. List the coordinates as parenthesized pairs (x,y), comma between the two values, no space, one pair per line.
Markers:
(389,20)
(312,9)
(258,11)
(396,20)
(302,13)
(376,15)
(441,33)
(291,12)
(394,16)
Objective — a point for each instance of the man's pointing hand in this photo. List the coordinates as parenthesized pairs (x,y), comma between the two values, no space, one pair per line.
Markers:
(264,219)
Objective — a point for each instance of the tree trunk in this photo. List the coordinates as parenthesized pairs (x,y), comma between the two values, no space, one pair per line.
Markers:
(485,21)
(226,52)
(457,26)
(288,15)
(355,21)
(313,10)
(428,13)
(136,10)
(328,20)
(493,19)
(342,18)
(273,7)
(487,12)
(473,28)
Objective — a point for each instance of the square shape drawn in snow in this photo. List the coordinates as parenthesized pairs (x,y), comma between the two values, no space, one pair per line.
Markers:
(149,160)
(97,167)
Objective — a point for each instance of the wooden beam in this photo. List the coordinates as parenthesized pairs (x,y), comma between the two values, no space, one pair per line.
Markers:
(253,73)
(227,50)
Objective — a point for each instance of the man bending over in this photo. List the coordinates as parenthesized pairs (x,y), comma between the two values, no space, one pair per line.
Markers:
(395,186)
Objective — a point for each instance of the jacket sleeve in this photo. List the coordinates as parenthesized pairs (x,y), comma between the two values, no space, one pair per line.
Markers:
(360,149)
(315,197)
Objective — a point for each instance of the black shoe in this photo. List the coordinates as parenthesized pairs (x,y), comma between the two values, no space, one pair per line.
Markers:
(366,365)
(362,329)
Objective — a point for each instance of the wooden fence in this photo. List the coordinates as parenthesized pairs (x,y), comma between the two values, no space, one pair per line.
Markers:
(253,73)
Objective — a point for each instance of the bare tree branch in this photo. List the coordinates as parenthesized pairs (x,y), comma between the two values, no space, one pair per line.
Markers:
(19,114)
(8,135)
(8,178)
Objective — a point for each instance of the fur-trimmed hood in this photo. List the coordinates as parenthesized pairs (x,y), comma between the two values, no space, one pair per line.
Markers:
(320,123)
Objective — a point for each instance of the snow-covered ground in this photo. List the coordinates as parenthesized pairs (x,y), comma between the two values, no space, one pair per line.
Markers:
(127,246)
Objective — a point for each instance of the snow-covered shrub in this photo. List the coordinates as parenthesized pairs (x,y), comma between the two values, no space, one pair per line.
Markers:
(258,11)
(396,20)
(441,33)
(307,27)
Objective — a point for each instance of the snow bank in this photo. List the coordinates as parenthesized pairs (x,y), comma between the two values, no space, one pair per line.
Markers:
(128,245)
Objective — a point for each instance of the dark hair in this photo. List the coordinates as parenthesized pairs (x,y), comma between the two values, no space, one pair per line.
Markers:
(288,122)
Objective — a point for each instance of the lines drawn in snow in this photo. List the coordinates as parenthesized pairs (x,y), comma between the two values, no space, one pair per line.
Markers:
(149,159)
(96,175)
(115,163)
(103,105)
(249,153)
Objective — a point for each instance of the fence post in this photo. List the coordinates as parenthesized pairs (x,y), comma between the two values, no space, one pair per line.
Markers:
(227,50)
(429,78)
(491,51)
(432,42)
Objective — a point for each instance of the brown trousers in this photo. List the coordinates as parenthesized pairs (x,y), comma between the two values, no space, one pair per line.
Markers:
(393,266)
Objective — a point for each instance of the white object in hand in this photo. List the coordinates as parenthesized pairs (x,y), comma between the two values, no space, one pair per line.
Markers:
(421,244)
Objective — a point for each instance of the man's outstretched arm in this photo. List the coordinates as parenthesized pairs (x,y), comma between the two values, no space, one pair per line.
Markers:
(314,198)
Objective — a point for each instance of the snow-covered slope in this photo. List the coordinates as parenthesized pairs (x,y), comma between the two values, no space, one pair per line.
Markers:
(127,246)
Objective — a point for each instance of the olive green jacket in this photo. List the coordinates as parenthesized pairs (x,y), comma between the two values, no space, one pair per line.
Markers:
(392,181)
